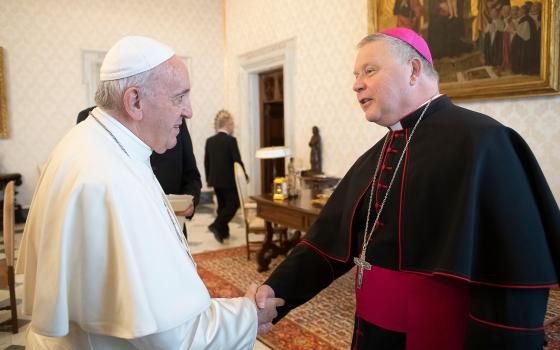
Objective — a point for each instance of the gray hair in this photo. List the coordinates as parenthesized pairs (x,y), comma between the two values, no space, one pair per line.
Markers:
(109,94)
(402,50)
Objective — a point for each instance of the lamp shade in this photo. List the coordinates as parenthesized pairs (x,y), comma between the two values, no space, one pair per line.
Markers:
(273,152)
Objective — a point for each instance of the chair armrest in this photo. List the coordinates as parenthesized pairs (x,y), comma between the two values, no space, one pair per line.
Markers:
(250,205)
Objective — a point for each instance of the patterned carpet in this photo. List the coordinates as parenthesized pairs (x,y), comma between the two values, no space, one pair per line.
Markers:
(553,330)
(322,324)
(325,323)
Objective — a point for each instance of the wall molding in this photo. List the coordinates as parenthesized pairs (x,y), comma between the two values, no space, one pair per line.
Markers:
(92,61)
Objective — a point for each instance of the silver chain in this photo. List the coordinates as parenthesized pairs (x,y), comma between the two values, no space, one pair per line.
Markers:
(111,134)
(367,237)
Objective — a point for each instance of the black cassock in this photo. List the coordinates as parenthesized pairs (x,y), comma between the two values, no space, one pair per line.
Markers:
(469,207)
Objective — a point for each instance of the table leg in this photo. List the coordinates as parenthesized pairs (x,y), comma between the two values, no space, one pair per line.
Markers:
(263,258)
(290,243)
(269,249)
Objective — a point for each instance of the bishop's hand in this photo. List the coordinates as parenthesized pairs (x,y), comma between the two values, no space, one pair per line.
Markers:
(266,305)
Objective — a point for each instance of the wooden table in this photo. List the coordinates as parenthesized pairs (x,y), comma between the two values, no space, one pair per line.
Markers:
(297,213)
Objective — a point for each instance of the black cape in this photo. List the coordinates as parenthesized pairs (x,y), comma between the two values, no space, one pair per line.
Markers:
(472,202)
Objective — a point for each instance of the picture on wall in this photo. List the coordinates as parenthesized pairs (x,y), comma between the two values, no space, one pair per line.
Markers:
(483,48)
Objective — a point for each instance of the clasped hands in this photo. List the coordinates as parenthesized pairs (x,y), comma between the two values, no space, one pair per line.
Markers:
(266,303)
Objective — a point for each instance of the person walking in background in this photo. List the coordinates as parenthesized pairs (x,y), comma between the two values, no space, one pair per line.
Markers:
(220,152)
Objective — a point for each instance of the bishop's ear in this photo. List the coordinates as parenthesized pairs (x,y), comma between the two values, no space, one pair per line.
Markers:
(416,70)
(132,103)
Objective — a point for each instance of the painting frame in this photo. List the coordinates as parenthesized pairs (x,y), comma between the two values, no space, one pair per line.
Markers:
(4,133)
(547,82)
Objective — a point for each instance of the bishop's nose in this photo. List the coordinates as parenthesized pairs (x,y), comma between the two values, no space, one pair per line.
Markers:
(358,85)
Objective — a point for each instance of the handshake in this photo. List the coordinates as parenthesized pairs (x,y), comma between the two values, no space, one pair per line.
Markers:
(266,304)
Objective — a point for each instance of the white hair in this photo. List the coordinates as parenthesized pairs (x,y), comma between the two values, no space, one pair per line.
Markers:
(109,94)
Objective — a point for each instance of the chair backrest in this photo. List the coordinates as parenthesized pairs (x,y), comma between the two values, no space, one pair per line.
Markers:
(9,223)
(241,184)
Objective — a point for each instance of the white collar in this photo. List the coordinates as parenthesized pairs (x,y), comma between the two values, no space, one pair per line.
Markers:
(135,147)
(398,126)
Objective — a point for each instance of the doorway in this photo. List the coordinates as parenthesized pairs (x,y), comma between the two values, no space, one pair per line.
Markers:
(271,121)
(278,56)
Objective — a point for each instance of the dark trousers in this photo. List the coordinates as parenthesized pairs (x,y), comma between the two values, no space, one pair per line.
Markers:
(228,203)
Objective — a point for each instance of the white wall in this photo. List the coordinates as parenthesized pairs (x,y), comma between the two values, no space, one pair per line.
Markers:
(43,43)
(326,33)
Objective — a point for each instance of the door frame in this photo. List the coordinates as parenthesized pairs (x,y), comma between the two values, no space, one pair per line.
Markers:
(279,55)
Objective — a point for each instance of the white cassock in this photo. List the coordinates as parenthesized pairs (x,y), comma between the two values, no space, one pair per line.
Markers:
(105,264)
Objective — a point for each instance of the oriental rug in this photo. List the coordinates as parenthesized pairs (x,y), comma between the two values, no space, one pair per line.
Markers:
(324,323)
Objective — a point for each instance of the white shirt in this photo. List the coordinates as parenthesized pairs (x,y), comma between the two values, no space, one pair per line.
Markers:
(103,257)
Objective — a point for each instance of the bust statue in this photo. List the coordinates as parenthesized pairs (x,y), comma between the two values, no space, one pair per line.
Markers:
(315,156)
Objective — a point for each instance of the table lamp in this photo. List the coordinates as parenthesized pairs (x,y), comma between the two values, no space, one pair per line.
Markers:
(279,188)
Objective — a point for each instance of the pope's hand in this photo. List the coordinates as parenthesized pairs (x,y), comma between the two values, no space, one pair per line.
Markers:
(266,305)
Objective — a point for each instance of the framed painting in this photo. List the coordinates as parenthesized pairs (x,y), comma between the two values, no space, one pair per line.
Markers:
(3,102)
(483,48)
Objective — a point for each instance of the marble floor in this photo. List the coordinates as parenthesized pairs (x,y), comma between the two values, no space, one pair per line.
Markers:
(200,240)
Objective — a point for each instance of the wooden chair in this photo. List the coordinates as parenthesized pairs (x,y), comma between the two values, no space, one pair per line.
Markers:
(253,224)
(7,265)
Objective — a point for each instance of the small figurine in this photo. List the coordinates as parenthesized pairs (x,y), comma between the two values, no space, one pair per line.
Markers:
(315,157)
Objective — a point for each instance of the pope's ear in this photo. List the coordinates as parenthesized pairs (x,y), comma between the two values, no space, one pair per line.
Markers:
(132,104)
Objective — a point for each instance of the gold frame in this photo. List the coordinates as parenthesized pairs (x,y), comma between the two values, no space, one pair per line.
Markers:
(546,83)
(3,102)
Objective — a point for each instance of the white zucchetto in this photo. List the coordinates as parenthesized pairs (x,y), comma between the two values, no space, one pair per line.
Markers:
(132,55)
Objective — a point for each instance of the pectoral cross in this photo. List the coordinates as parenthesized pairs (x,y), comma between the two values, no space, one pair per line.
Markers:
(362,264)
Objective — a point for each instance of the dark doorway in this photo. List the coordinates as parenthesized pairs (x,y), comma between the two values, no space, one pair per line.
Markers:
(271,100)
